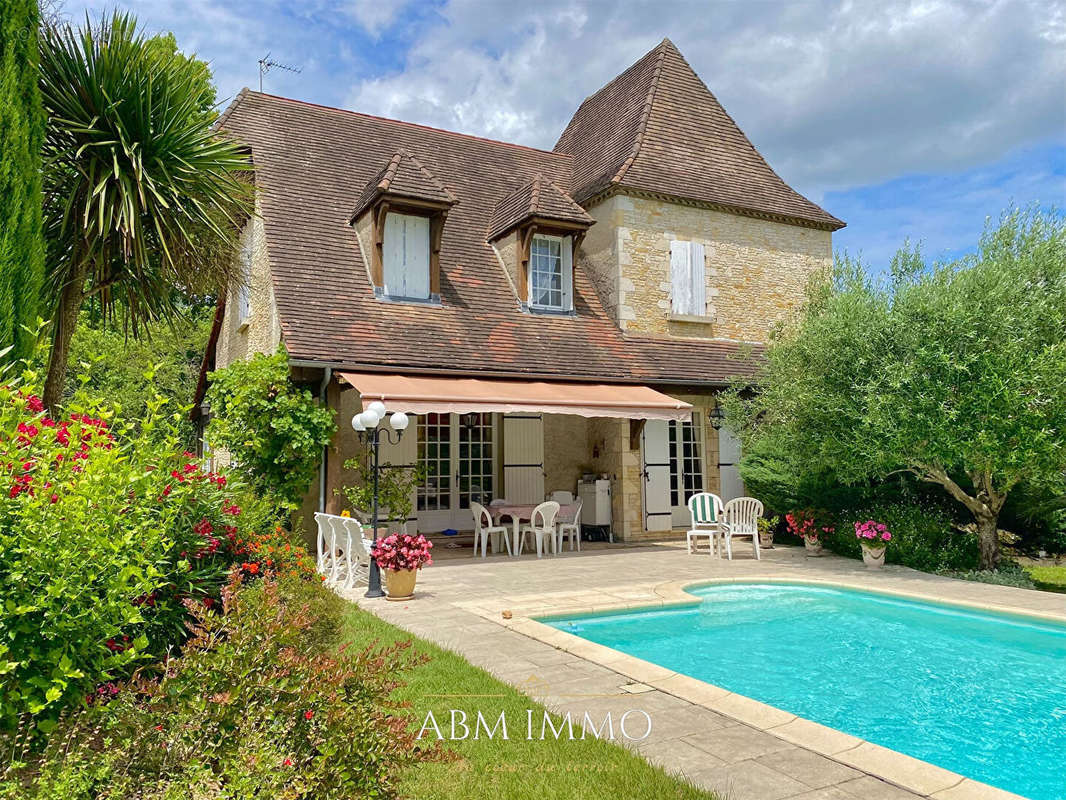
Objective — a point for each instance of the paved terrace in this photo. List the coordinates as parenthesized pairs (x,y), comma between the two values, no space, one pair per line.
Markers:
(714,739)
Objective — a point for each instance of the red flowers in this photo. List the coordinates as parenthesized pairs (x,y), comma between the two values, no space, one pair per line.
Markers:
(287,762)
(308,714)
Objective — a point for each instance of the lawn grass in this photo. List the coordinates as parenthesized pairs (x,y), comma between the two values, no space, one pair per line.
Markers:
(516,769)
(1050,579)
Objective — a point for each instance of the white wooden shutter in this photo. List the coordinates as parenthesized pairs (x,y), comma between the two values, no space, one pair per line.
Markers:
(392,255)
(416,257)
(568,273)
(699,280)
(523,458)
(244,291)
(655,462)
(728,466)
(405,254)
(681,276)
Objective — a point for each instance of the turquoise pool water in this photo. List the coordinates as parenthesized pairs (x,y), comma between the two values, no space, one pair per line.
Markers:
(981,694)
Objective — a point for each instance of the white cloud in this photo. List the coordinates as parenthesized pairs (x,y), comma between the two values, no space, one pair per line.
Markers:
(375,16)
(835,94)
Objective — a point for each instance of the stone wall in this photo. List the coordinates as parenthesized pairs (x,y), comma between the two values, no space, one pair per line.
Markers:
(566,451)
(756,270)
(261,331)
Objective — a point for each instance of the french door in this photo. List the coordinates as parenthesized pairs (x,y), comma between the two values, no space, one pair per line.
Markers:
(457,454)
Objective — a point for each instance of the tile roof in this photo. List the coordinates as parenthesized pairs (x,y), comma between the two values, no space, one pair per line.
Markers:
(313,163)
(657,128)
(404,176)
(538,198)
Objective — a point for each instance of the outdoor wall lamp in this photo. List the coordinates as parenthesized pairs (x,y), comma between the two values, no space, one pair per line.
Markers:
(365,425)
(716,416)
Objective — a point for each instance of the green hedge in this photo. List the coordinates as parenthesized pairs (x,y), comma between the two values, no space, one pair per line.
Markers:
(923,536)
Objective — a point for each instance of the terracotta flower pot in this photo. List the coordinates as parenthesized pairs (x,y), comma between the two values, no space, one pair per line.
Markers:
(813,545)
(872,556)
(400,583)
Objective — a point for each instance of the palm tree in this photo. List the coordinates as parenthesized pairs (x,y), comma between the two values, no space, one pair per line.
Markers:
(142,196)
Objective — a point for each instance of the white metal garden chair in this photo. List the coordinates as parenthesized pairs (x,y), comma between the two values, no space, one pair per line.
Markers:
(541,527)
(483,529)
(571,530)
(742,519)
(707,520)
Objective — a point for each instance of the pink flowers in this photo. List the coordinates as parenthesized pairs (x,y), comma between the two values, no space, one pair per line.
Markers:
(873,533)
(402,551)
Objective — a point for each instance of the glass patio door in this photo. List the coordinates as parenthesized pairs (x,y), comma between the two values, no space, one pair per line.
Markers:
(457,454)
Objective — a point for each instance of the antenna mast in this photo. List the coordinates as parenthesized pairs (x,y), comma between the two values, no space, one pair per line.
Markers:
(266,63)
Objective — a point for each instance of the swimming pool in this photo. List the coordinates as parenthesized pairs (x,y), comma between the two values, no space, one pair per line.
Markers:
(977,693)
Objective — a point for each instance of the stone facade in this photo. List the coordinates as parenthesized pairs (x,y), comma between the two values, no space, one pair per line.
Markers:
(260,332)
(756,270)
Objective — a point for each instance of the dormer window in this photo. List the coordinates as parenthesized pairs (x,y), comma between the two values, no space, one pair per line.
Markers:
(536,232)
(551,273)
(399,220)
(406,257)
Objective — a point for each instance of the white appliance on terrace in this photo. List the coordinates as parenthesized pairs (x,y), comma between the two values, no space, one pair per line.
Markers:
(596,505)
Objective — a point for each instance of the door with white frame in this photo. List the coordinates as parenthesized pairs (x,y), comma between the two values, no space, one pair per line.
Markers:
(457,454)
(672,470)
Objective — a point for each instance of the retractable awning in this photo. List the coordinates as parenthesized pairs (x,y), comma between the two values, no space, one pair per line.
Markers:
(422,394)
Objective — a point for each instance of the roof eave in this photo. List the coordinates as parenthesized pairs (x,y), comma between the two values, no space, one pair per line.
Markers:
(601,193)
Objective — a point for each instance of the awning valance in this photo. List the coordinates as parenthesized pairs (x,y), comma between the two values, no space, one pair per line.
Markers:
(424,394)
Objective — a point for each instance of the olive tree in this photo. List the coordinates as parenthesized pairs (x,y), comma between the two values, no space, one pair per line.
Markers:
(955,372)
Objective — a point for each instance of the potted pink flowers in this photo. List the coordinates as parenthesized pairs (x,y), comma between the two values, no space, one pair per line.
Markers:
(401,555)
(874,537)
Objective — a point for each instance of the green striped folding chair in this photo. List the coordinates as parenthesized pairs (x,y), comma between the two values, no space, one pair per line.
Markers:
(707,520)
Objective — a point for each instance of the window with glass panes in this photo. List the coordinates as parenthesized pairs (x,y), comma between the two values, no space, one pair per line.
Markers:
(475,459)
(686,461)
(546,272)
(435,458)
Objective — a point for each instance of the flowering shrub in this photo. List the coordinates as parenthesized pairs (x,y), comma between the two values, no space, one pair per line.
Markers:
(109,533)
(872,533)
(273,428)
(808,523)
(402,551)
(263,702)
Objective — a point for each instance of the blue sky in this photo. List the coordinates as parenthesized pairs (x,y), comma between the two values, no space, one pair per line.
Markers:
(909,120)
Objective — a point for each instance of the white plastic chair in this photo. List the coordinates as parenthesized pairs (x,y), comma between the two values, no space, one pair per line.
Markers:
(343,554)
(707,520)
(742,519)
(483,529)
(562,497)
(570,529)
(541,526)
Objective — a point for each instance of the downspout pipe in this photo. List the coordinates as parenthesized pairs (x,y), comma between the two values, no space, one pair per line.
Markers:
(327,376)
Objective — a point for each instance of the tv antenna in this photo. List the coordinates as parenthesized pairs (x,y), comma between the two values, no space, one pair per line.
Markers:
(266,63)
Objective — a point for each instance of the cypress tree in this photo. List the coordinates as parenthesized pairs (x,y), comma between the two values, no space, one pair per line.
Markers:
(21,135)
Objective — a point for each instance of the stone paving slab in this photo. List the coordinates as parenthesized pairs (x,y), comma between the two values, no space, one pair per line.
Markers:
(713,738)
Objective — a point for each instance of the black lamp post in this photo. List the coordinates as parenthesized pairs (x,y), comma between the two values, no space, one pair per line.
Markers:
(366,425)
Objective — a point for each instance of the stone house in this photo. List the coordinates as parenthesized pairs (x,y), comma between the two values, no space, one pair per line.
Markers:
(545,314)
